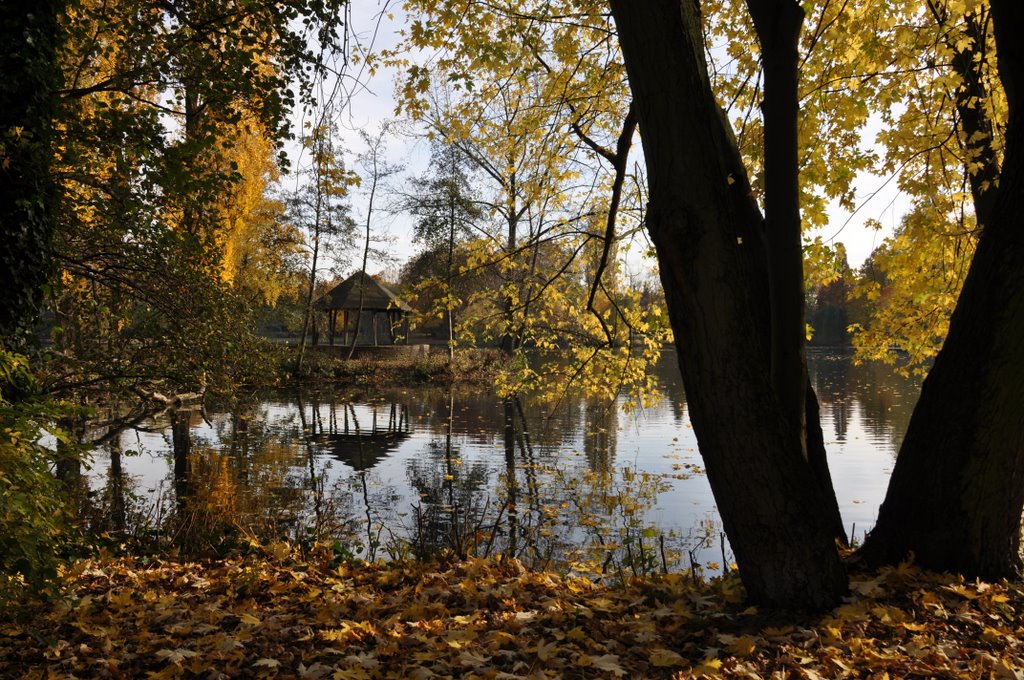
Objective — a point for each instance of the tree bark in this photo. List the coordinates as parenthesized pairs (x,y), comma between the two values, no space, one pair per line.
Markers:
(27,191)
(509,337)
(778,24)
(957,490)
(817,458)
(707,230)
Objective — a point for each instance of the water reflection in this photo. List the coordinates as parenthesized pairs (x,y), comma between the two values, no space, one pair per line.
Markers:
(603,488)
(360,446)
(871,395)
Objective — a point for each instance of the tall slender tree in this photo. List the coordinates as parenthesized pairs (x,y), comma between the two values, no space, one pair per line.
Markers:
(320,208)
(376,170)
(445,213)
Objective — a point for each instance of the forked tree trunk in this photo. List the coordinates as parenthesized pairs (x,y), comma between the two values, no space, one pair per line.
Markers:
(708,232)
(957,490)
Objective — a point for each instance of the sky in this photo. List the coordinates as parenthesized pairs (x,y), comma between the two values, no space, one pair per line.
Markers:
(370,101)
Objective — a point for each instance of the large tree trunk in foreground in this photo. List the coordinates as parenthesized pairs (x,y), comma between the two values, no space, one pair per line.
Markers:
(707,230)
(957,490)
(28,41)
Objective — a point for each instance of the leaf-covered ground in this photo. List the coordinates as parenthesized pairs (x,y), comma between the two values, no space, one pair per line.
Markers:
(275,615)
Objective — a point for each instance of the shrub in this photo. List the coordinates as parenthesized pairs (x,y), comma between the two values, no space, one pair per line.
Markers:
(33,528)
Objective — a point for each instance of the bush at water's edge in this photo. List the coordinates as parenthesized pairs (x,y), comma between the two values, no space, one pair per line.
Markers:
(468,366)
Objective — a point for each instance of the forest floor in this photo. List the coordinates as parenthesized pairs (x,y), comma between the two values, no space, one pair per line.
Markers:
(278,613)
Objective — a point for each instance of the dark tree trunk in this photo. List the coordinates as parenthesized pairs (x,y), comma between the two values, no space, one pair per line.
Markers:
(68,468)
(307,315)
(27,194)
(818,460)
(509,338)
(778,24)
(957,490)
(707,229)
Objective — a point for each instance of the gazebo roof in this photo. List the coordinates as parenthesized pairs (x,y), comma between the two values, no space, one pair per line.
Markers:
(376,296)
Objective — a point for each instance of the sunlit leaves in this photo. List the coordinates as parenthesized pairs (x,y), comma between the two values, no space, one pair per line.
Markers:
(910,286)
(533,96)
(259,249)
(33,523)
(170,115)
(902,89)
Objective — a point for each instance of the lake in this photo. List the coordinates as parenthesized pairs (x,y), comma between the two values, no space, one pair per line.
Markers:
(606,490)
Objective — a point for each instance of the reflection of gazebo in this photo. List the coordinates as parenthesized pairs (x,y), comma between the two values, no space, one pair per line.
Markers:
(382,311)
(360,448)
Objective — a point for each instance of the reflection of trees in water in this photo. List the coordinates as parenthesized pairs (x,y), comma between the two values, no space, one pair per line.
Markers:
(456,510)
(245,482)
(181,448)
(116,491)
(248,485)
(112,506)
(600,434)
(511,478)
(548,512)
(526,429)
(68,468)
(883,399)
(335,431)
(547,487)
(453,497)
(532,501)
(831,378)
(479,417)
(670,382)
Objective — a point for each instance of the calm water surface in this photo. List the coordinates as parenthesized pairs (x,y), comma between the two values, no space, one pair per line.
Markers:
(413,470)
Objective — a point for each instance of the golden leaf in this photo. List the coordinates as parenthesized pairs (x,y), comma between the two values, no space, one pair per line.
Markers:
(662,658)
(743,646)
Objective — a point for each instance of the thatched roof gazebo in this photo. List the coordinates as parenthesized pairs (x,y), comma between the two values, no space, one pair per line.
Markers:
(378,304)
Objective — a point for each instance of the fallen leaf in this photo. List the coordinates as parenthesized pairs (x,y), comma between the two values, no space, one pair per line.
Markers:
(608,662)
(663,658)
